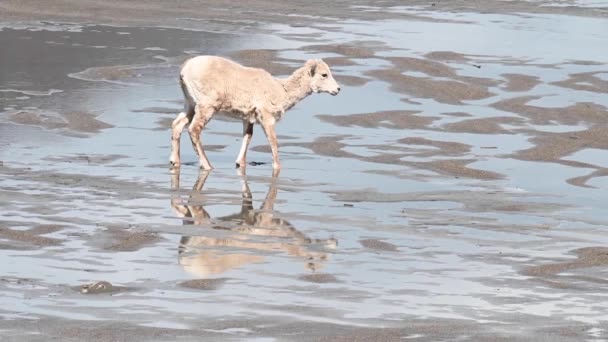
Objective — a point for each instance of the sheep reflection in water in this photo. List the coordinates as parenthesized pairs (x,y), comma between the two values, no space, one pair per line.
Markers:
(253,230)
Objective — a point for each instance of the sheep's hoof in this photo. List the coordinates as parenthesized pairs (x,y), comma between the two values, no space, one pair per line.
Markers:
(174,164)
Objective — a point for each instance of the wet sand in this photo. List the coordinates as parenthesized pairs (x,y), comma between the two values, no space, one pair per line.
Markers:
(454,190)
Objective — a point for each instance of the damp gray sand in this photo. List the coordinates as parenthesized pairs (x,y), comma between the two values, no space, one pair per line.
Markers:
(454,190)
(203,284)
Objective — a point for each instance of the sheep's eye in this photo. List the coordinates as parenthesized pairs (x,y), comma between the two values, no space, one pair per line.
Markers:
(324,75)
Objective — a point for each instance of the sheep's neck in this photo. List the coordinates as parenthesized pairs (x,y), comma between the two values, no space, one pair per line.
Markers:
(297,87)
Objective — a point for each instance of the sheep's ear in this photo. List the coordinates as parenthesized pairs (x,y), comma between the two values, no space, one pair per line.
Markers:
(312,67)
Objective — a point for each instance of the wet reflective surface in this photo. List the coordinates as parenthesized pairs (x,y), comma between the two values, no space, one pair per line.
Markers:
(254,230)
(455,189)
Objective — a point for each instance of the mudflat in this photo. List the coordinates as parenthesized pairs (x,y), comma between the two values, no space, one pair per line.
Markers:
(454,190)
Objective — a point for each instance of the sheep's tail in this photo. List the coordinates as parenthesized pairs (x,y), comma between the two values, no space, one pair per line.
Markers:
(182,85)
(186,90)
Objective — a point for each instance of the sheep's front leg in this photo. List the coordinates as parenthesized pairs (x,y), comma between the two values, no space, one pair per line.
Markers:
(271,196)
(176,131)
(176,201)
(246,197)
(202,115)
(269,130)
(198,212)
(241,160)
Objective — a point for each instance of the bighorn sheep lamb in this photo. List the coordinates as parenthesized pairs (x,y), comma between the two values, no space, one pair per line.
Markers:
(214,84)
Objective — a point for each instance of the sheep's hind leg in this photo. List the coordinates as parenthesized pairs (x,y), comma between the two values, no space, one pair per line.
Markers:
(202,115)
(241,160)
(176,131)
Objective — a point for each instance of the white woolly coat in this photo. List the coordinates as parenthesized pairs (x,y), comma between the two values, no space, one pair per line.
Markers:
(240,91)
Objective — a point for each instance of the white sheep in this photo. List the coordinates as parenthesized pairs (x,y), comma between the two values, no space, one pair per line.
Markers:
(214,84)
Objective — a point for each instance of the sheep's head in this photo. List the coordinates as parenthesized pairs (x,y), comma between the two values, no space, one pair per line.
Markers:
(321,77)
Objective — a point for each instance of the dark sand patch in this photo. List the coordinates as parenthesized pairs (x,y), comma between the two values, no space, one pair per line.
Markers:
(588,257)
(60,329)
(458,114)
(98,184)
(339,61)
(38,119)
(321,278)
(582,180)
(45,229)
(332,146)
(84,122)
(269,61)
(378,245)
(264,59)
(483,125)
(218,14)
(70,121)
(458,168)
(577,282)
(204,284)
(531,328)
(514,205)
(98,159)
(15,247)
(325,146)
(448,91)
(123,240)
(304,37)
(355,49)
(552,147)
(410,101)
(28,237)
(582,112)
(448,56)
(579,62)
(107,73)
(426,66)
(266,148)
(163,124)
(587,81)
(134,241)
(481,81)
(520,62)
(353,81)
(436,69)
(442,148)
(518,82)
(396,119)
(159,110)
(101,287)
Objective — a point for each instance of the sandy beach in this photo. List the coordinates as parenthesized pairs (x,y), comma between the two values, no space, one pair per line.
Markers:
(455,190)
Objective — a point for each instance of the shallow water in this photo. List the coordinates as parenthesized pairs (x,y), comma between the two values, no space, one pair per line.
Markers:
(306,245)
